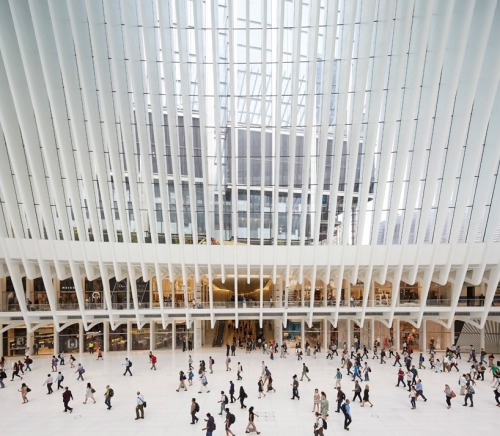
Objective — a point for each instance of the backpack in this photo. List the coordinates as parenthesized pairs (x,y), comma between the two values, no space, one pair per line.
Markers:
(343,408)
(241,368)
(307,369)
(3,375)
(226,399)
(232,418)
(471,390)
(325,425)
(130,364)
(82,371)
(111,393)
(343,396)
(62,377)
(196,407)
(213,362)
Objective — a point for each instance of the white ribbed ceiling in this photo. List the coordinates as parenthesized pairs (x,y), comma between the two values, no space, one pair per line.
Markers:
(130,120)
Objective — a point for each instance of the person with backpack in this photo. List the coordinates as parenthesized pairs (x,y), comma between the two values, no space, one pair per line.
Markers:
(182,379)
(195,408)
(469,393)
(54,363)
(239,370)
(108,394)
(59,379)
(260,385)
(223,402)
(251,424)
(230,420)
(346,410)
(15,371)
(231,391)
(128,365)
(340,398)
(211,362)
(421,360)
(305,370)
(242,397)
(28,361)
(80,370)
(210,425)
(319,425)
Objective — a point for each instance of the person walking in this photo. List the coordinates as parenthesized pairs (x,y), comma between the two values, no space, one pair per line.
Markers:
(210,427)
(72,361)
(89,393)
(421,360)
(3,376)
(325,406)
(195,408)
(239,370)
(223,402)
(295,388)
(128,365)
(366,396)
(419,389)
(346,410)
(231,392)
(340,398)
(449,395)
(15,371)
(59,379)
(316,400)
(251,424)
(413,397)
(211,364)
(182,381)
(319,425)
(230,419)
(80,370)
(24,389)
(357,392)
(153,362)
(203,383)
(28,361)
(401,377)
(338,379)
(242,397)
(54,363)
(397,359)
(228,363)
(108,394)
(366,371)
(469,392)
(67,397)
(260,385)
(305,371)
(49,382)
(139,408)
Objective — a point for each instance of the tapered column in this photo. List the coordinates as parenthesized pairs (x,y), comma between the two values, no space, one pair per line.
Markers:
(106,335)
(152,342)
(129,336)
(397,341)
(197,339)
(423,336)
(81,338)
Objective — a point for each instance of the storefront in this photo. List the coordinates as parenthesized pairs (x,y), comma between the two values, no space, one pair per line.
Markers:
(41,301)
(409,334)
(140,338)
(94,336)
(44,340)
(182,333)
(94,294)
(119,293)
(118,338)
(142,293)
(163,337)
(69,339)
(11,298)
(67,295)
(17,341)
(314,334)
(292,333)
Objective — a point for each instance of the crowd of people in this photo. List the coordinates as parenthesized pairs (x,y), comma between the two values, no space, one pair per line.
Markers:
(355,362)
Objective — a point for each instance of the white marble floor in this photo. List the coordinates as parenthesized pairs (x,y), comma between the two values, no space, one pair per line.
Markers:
(168,410)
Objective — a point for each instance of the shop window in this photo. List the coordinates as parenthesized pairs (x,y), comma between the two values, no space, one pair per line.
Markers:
(292,334)
(17,342)
(44,340)
(69,339)
(93,338)
(119,294)
(12,302)
(118,338)
(94,294)
(140,338)
(67,295)
(183,336)
(409,295)
(163,337)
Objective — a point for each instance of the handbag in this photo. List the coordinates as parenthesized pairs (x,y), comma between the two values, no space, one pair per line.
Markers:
(453,394)
(93,390)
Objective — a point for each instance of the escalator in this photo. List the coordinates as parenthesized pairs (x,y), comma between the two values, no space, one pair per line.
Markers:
(219,337)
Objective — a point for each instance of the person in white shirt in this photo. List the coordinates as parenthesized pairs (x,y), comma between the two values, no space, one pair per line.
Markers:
(49,382)
(139,408)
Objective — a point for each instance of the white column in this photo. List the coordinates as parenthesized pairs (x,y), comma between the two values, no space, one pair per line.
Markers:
(30,340)
(302,332)
(278,331)
(348,292)
(482,338)
(423,336)
(326,336)
(452,333)
(173,335)
(56,341)
(349,339)
(152,342)
(106,336)
(372,333)
(197,343)
(397,344)
(81,338)
(1,343)
(129,336)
